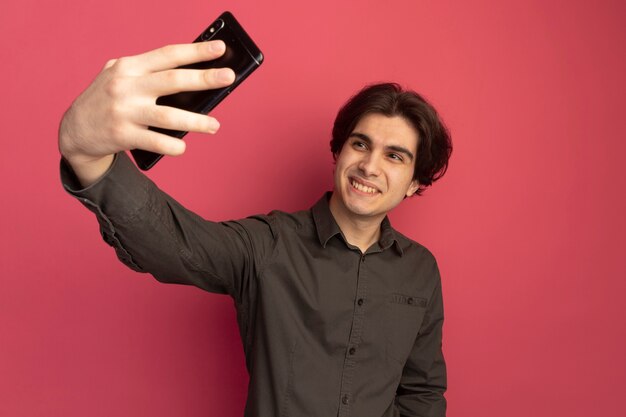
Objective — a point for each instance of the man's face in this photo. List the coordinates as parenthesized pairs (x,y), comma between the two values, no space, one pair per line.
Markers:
(374,170)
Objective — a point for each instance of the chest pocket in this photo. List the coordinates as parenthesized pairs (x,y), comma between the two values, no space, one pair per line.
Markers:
(406,313)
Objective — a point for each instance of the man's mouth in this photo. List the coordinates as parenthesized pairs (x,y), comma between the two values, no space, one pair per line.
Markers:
(362,187)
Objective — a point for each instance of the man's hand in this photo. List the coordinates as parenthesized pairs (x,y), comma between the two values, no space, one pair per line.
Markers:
(114,112)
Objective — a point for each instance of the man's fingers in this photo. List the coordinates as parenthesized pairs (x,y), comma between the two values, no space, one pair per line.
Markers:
(177,80)
(172,56)
(149,140)
(176,119)
(110,63)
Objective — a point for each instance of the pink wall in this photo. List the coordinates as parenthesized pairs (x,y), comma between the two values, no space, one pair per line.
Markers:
(528,225)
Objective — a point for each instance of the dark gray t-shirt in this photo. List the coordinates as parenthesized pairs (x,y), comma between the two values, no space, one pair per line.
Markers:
(326,330)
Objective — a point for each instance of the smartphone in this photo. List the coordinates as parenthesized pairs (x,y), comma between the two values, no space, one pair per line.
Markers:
(241,55)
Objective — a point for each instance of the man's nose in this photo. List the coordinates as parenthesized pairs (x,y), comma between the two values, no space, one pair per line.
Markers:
(370,165)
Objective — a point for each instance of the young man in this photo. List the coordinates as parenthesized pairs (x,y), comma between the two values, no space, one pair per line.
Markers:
(339,314)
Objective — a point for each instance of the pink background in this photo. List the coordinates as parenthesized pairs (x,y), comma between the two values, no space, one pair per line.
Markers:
(528,225)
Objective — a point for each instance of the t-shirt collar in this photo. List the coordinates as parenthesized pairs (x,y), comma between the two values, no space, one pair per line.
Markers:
(327,227)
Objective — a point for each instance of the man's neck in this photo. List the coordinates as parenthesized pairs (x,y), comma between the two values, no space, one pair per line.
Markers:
(359,231)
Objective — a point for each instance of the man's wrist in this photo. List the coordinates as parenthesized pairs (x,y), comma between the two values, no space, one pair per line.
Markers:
(89,170)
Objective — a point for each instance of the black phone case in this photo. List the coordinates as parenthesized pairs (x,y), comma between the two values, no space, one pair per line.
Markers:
(242,56)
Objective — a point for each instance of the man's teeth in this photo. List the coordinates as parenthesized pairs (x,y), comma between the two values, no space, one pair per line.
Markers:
(363,188)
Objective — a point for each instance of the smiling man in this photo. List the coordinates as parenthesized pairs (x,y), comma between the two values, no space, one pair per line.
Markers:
(339,314)
(374,173)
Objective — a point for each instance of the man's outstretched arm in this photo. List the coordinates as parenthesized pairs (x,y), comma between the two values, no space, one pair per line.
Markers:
(149,230)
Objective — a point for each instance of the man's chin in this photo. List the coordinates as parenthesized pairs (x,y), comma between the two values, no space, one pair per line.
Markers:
(361,210)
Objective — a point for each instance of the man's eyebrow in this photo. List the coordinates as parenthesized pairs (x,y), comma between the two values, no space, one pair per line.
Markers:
(395,148)
(361,136)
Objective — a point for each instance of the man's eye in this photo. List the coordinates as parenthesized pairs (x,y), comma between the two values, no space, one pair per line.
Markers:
(396,157)
(359,145)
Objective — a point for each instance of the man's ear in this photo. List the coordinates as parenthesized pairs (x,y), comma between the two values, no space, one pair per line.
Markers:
(412,188)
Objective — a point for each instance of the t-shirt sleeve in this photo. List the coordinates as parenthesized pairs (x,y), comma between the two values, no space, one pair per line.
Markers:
(151,232)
